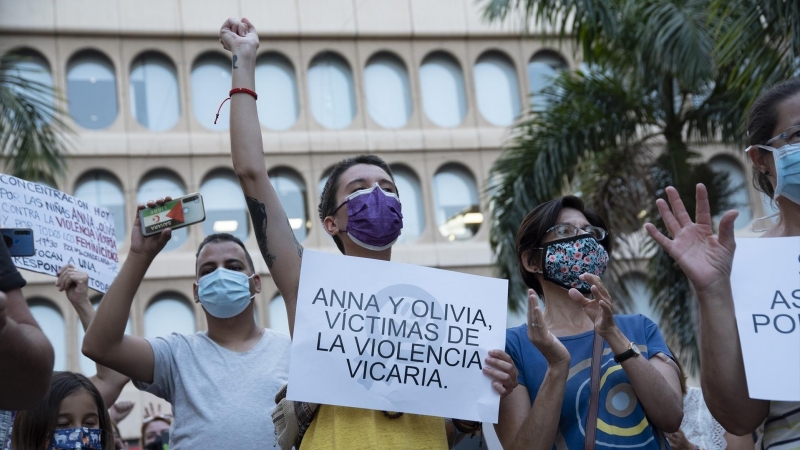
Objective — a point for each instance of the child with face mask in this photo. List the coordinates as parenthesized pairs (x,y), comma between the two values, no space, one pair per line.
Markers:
(72,416)
(221,383)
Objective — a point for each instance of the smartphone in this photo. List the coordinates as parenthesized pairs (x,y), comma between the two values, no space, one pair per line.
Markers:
(19,241)
(177,213)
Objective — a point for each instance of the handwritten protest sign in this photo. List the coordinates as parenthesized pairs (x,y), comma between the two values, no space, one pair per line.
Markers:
(766,292)
(67,230)
(396,337)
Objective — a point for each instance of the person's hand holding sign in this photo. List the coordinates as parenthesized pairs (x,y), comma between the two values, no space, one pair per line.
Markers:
(149,246)
(76,283)
(705,258)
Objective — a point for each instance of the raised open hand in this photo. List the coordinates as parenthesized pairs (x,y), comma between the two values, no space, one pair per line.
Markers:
(552,349)
(75,282)
(597,308)
(705,258)
(148,246)
(238,35)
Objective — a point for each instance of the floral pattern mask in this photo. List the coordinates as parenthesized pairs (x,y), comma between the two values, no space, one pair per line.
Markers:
(564,260)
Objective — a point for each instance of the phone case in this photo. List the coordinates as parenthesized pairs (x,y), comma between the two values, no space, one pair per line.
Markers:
(174,214)
(19,241)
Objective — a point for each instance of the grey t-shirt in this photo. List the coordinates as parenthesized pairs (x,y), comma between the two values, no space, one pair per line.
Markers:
(220,398)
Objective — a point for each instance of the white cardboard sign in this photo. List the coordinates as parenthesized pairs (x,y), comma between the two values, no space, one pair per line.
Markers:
(766,292)
(396,337)
(66,230)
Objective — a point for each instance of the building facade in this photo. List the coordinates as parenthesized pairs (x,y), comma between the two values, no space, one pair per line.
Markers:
(427,85)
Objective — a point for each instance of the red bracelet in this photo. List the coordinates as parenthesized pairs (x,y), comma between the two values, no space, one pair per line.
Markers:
(235,91)
(243,91)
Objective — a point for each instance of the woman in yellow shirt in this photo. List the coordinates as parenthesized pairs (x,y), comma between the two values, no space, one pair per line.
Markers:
(355,185)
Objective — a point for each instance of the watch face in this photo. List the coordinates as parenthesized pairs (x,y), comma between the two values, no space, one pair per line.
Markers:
(635,349)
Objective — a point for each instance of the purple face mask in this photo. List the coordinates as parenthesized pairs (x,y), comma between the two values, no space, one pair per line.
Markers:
(374,219)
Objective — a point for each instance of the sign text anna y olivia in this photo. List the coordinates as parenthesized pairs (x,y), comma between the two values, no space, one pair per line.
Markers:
(67,230)
(396,337)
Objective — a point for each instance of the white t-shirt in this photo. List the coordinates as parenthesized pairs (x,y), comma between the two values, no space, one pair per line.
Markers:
(220,398)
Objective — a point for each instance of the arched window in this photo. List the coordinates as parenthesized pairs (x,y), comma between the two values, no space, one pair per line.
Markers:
(278,320)
(387,90)
(292,193)
(276,85)
(226,211)
(155,99)
(330,91)
(92,90)
(51,322)
(458,213)
(542,70)
(169,313)
(442,85)
(737,184)
(410,190)
(497,89)
(89,367)
(101,188)
(32,67)
(640,296)
(160,183)
(211,80)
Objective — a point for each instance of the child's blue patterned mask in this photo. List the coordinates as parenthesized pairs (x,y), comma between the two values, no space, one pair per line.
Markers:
(564,260)
(72,438)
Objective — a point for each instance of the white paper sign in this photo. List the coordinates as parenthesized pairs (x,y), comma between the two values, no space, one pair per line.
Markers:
(766,292)
(396,337)
(66,230)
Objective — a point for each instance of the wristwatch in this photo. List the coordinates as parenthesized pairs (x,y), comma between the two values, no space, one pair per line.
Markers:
(632,351)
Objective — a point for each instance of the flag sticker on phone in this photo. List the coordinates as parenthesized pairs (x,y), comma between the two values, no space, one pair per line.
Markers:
(165,216)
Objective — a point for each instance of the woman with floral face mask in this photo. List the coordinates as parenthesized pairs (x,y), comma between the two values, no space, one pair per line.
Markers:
(706,259)
(72,416)
(563,250)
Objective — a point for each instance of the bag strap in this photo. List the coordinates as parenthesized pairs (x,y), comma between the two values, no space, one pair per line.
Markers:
(591,416)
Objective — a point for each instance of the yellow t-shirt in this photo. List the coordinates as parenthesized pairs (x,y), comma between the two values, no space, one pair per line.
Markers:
(342,428)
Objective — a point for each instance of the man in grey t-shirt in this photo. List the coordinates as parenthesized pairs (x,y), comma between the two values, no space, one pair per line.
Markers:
(220,398)
(221,383)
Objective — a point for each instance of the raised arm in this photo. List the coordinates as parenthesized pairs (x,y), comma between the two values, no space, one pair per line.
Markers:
(25,351)
(706,260)
(275,237)
(106,342)
(525,426)
(76,284)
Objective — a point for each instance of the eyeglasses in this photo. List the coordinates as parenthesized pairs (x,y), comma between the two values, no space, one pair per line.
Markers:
(791,135)
(566,230)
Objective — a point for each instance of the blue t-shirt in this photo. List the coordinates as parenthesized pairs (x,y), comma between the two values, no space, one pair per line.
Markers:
(621,422)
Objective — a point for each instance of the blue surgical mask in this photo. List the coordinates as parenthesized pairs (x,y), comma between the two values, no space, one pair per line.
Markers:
(224,293)
(787,166)
(72,438)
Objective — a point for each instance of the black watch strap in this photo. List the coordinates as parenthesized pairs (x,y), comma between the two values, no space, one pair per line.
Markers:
(628,354)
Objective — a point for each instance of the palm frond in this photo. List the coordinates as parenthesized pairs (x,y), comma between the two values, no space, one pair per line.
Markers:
(32,134)
(589,113)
